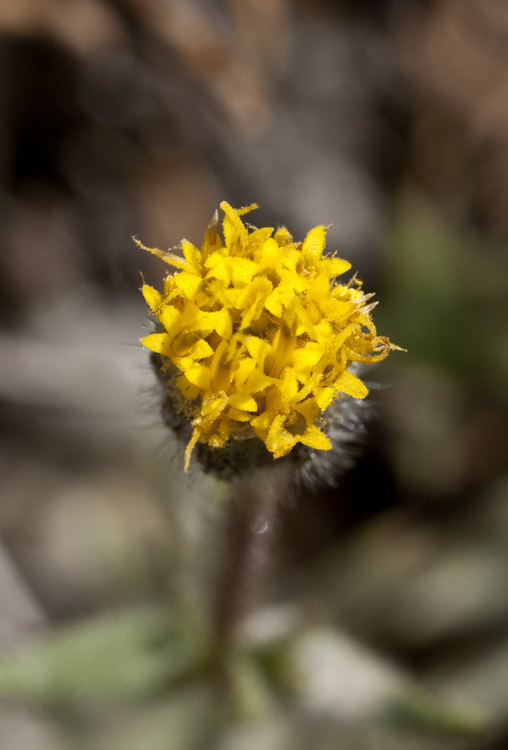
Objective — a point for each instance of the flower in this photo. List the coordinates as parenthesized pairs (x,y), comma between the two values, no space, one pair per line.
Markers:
(255,337)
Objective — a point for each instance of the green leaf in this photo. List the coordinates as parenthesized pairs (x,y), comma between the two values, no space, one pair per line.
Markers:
(112,658)
(347,683)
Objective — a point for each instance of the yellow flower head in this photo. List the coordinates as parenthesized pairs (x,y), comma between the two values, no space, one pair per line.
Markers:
(256,336)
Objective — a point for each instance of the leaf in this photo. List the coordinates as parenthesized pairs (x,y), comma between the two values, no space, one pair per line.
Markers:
(341,680)
(112,658)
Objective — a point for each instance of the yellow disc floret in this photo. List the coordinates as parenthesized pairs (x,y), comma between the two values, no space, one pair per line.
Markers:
(260,335)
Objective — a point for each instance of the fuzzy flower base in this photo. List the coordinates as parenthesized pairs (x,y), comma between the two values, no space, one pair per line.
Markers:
(255,340)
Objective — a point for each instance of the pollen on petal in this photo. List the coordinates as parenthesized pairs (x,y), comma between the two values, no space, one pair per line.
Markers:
(191,254)
(351,385)
(314,438)
(188,283)
(156,342)
(199,375)
(314,243)
(153,298)
(243,401)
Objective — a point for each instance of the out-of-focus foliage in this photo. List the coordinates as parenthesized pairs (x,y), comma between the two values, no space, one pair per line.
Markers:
(383,622)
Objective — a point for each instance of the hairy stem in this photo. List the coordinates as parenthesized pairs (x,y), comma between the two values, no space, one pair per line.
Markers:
(247,556)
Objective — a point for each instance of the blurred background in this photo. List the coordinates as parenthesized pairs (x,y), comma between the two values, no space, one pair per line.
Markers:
(384,622)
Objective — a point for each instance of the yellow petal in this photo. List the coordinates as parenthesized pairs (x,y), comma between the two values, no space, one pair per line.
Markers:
(273,303)
(319,289)
(343,336)
(314,243)
(214,259)
(308,357)
(183,363)
(309,409)
(257,238)
(220,271)
(282,236)
(231,296)
(263,421)
(167,257)
(189,390)
(191,254)
(234,230)
(188,283)
(213,405)
(314,438)
(190,446)
(243,401)
(336,309)
(157,342)
(243,270)
(245,367)
(279,440)
(216,441)
(202,350)
(257,348)
(211,240)
(239,415)
(258,381)
(199,375)
(270,254)
(168,316)
(288,388)
(222,323)
(324,397)
(290,257)
(351,385)
(252,300)
(337,266)
(184,343)
(153,298)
